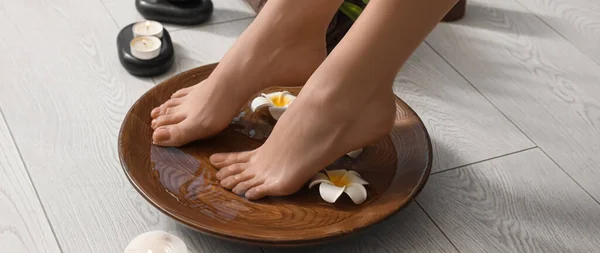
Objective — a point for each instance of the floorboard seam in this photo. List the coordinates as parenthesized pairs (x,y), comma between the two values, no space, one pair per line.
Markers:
(109,14)
(568,175)
(481,93)
(209,24)
(559,33)
(438,227)
(485,160)
(183,27)
(31,180)
(511,121)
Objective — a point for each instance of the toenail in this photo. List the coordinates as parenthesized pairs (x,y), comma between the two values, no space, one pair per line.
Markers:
(252,193)
(161,134)
(226,184)
(239,192)
(153,124)
(217,158)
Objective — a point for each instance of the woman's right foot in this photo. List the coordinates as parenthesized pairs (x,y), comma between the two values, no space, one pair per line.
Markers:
(275,50)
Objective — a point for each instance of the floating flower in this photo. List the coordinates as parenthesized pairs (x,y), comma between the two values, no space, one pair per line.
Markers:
(335,182)
(276,102)
(354,154)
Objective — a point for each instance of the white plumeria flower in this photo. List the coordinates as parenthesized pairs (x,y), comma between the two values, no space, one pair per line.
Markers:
(277,102)
(354,154)
(335,182)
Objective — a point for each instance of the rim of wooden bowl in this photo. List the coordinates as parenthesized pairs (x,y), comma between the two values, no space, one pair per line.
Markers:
(220,233)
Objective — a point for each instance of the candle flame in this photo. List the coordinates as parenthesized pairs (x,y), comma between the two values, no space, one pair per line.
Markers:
(148,26)
(149,251)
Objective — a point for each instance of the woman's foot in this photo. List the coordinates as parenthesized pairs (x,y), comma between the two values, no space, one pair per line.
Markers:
(326,121)
(282,47)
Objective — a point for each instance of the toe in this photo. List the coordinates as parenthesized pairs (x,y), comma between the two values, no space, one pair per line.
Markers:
(181,92)
(174,135)
(155,112)
(161,134)
(257,192)
(231,170)
(170,103)
(163,109)
(232,181)
(167,119)
(221,160)
(243,187)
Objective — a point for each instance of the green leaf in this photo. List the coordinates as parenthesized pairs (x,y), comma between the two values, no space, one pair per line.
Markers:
(366,1)
(351,10)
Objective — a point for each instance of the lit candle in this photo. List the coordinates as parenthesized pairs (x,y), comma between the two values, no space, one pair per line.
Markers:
(148,28)
(145,47)
(156,242)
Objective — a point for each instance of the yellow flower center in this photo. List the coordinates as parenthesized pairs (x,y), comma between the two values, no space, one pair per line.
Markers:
(339,180)
(281,100)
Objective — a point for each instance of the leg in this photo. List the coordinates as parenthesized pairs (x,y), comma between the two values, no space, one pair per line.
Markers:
(283,46)
(346,104)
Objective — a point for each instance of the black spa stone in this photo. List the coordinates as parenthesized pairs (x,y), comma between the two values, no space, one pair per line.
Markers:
(146,68)
(188,12)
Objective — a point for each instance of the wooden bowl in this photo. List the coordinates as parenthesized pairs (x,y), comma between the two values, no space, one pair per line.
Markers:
(180,181)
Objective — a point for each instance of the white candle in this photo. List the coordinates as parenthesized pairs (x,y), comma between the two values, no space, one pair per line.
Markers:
(145,47)
(156,242)
(148,28)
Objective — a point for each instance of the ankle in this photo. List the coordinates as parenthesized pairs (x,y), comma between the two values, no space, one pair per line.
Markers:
(355,84)
(347,96)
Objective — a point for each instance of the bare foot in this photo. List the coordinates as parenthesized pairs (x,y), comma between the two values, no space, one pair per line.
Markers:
(327,120)
(273,51)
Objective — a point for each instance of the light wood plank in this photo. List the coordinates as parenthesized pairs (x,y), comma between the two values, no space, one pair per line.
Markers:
(23,224)
(517,203)
(408,231)
(203,45)
(464,127)
(125,13)
(576,20)
(542,83)
(65,94)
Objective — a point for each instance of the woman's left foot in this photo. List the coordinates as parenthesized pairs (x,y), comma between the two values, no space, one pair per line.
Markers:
(265,55)
(327,120)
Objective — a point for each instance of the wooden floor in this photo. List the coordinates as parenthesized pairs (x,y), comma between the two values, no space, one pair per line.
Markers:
(510,96)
